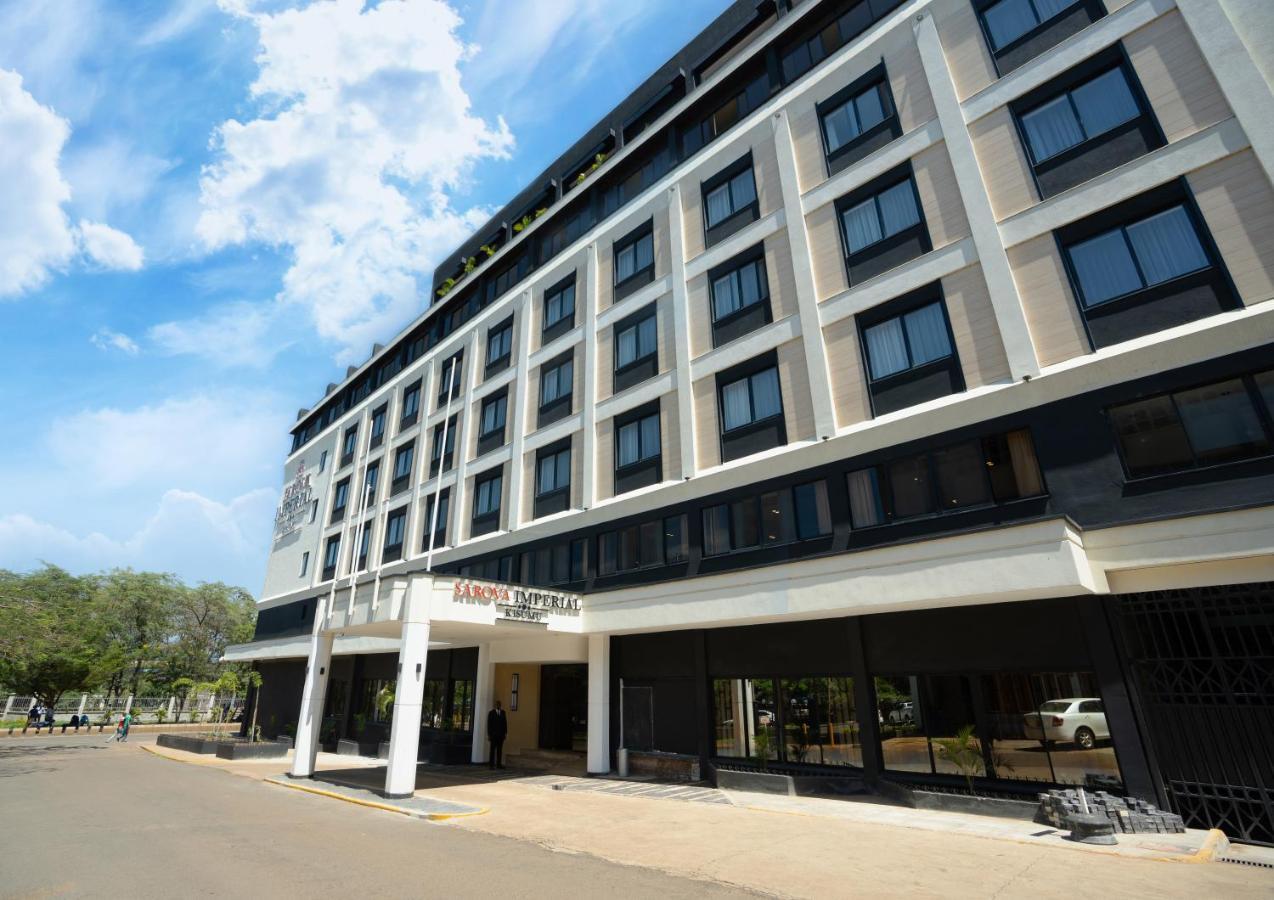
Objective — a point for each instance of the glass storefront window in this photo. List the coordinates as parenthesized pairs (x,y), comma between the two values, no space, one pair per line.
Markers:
(903,745)
(377,703)
(462,705)
(433,707)
(1070,722)
(746,725)
(819,724)
(949,718)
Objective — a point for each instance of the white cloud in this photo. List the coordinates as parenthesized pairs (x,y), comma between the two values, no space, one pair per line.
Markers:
(109,247)
(364,129)
(105,339)
(36,237)
(235,334)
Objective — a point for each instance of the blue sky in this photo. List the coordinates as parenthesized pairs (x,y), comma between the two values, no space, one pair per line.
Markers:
(208,208)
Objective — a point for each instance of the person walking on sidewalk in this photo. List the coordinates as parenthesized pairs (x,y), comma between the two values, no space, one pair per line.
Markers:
(497,728)
(124,724)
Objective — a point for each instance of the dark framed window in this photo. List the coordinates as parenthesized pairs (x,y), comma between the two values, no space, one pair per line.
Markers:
(492,421)
(1017,31)
(322,460)
(349,445)
(553,479)
(1085,122)
(659,542)
(340,500)
(909,351)
(638,450)
(411,406)
(371,479)
(403,458)
(782,516)
(750,407)
(331,554)
(822,38)
(454,363)
(739,291)
(395,532)
(634,260)
(559,309)
(1226,421)
(377,434)
(882,225)
(557,383)
(858,120)
(486,501)
(559,563)
(440,458)
(729,201)
(364,544)
(724,117)
(499,347)
(636,349)
(438,527)
(1144,265)
(980,472)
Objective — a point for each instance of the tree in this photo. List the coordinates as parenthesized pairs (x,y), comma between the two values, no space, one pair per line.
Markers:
(138,607)
(204,620)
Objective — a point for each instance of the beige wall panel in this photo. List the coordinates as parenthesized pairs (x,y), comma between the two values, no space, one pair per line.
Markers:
(1051,314)
(605,362)
(604,464)
(1003,164)
(845,369)
(528,486)
(1177,81)
(699,310)
(798,408)
(505,503)
(910,87)
(466,514)
(977,335)
(965,48)
(605,279)
(577,469)
(524,722)
(707,445)
(692,216)
(940,196)
(825,250)
(664,328)
(765,167)
(669,436)
(1238,204)
(663,244)
(807,142)
(778,269)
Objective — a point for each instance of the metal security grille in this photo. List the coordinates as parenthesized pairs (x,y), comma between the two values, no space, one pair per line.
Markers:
(1203,659)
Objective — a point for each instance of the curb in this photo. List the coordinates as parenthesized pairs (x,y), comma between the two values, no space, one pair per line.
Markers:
(1213,846)
(376,804)
(152,749)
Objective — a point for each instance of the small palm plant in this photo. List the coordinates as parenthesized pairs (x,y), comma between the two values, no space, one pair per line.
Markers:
(964,750)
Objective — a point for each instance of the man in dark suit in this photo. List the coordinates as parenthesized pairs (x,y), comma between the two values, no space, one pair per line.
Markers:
(497,728)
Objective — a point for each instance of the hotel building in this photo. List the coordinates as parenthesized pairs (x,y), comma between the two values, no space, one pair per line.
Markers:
(878,370)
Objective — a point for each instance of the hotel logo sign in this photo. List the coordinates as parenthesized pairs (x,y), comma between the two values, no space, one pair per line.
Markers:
(295,505)
(518,604)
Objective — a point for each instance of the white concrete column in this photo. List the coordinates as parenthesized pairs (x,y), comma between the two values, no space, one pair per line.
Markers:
(1010,316)
(522,393)
(588,441)
(598,704)
(83,701)
(404,731)
(681,336)
(806,292)
(483,695)
(128,704)
(172,702)
(310,720)
(8,706)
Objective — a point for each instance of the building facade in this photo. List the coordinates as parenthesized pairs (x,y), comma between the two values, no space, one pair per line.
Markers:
(880,371)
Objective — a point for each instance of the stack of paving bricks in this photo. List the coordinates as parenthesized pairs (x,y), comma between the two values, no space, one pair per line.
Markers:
(1128,815)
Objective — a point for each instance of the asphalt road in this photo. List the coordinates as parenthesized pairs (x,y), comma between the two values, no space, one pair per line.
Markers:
(83,818)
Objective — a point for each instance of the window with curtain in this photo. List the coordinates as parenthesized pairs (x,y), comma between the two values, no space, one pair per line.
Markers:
(636,341)
(445,377)
(782,516)
(331,553)
(1082,113)
(724,200)
(739,289)
(499,343)
(907,341)
(347,450)
(370,480)
(843,124)
(364,543)
(655,543)
(1009,20)
(1202,426)
(638,441)
(831,37)
(890,212)
(556,382)
(378,426)
(437,526)
(395,529)
(751,399)
(340,499)
(402,461)
(559,305)
(1136,256)
(437,451)
(494,410)
(553,472)
(411,402)
(635,257)
(994,469)
(486,495)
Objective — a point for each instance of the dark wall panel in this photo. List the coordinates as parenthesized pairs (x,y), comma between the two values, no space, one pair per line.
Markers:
(789,648)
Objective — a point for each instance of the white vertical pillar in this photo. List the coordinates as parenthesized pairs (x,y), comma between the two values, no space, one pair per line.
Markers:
(8,706)
(80,711)
(310,720)
(128,704)
(522,393)
(1010,316)
(172,702)
(483,695)
(588,441)
(404,731)
(598,704)
(681,336)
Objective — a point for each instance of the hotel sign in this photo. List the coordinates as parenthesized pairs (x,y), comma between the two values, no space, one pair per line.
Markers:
(295,505)
(518,604)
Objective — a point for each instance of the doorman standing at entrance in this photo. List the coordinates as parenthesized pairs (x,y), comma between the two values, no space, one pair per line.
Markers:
(497,728)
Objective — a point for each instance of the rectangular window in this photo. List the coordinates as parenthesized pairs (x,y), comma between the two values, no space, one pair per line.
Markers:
(831,36)
(858,120)
(729,201)
(559,307)
(1084,112)
(436,454)
(322,460)
(486,495)
(395,531)
(635,257)
(331,553)
(637,441)
(1010,20)
(724,117)
(364,543)
(305,563)
(750,400)
(739,289)
(370,479)
(995,469)
(903,350)
(1218,423)
(494,410)
(378,427)
(884,215)
(636,341)
(775,517)
(553,472)
(411,405)
(451,374)
(499,346)
(655,543)
(340,499)
(438,526)
(403,458)
(349,445)
(557,382)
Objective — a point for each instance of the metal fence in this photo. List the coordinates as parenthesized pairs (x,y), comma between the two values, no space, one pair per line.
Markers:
(107,709)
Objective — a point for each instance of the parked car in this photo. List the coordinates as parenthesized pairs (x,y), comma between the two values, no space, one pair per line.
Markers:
(1071,720)
(903,714)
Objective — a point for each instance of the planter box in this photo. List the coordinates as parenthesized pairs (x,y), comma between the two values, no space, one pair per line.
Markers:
(189,743)
(259,750)
(346,747)
(665,766)
(918,798)
(756,782)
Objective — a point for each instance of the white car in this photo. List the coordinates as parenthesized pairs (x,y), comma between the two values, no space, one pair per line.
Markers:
(902,714)
(1072,720)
